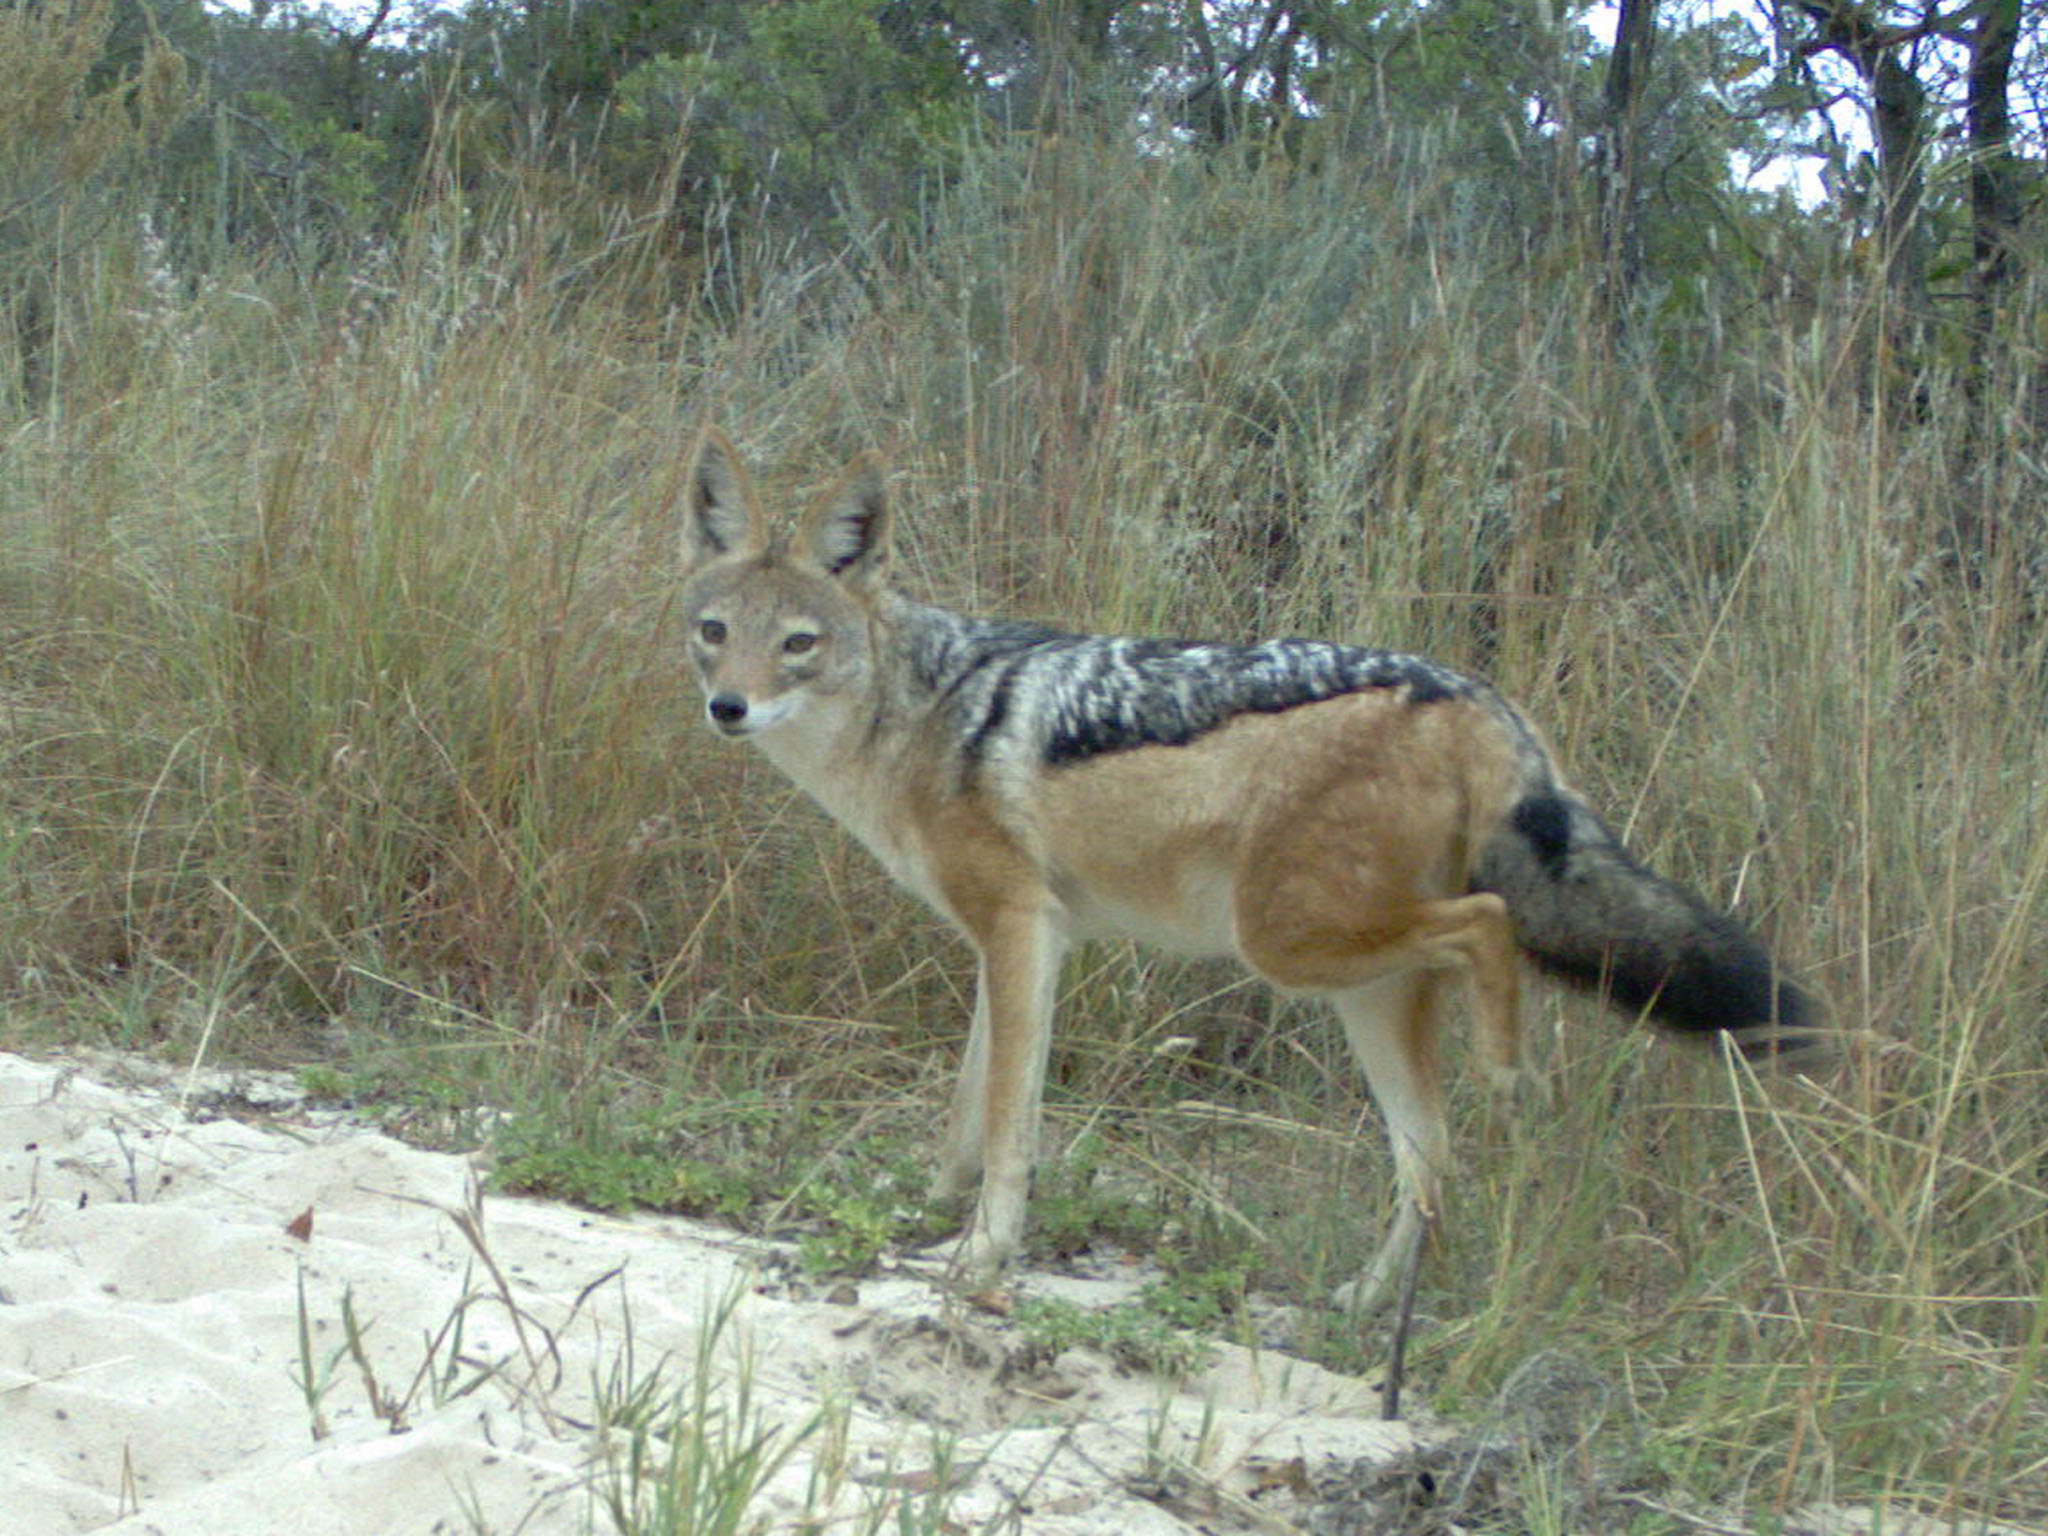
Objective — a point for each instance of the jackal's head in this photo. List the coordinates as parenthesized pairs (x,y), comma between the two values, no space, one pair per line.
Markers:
(777,625)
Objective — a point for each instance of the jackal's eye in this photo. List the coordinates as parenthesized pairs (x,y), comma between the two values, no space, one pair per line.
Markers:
(802,643)
(711,631)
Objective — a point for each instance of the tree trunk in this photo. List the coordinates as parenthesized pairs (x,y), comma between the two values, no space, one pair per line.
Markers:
(1994,194)
(1994,222)
(1620,148)
(1899,116)
(1898,112)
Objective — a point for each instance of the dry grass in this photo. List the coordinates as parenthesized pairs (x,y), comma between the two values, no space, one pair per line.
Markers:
(336,691)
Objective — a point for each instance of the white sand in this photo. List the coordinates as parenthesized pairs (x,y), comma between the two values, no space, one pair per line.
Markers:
(150,1323)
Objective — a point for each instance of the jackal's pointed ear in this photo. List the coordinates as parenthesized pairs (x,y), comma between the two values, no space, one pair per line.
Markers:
(720,511)
(847,529)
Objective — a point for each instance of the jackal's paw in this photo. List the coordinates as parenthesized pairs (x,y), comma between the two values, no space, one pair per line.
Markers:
(1363,1297)
(1374,1290)
(1382,1280)
(972,1261)
(977,1261)
(953,1181)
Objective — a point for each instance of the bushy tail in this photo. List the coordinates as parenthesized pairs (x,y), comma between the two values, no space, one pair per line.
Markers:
(1588,913)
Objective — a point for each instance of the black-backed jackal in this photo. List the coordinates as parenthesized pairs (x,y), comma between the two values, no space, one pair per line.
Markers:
(1356,824)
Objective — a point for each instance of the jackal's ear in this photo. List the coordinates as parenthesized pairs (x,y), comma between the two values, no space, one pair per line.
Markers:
(847,529)
(720,511)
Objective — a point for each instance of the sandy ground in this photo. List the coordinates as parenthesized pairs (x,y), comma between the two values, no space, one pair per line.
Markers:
(184,1261)
(167,1274)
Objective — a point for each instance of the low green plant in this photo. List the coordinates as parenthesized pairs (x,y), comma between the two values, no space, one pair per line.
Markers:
(324,1081)
(1139,1334)
(854,1230)
(446,1370)
(312,1374)
(845,1207)
(693,1462)
(619,1178)
(1052,1324)
(1207,1298)
(1075,1205)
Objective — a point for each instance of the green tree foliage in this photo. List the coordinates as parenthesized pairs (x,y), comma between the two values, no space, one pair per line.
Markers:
(318,128)
(827,120)
(799,104)
(794,106)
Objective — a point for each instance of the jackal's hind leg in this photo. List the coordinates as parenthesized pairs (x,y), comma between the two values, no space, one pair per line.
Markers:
(1379,1283)
(1497,1035)
(1392,1027)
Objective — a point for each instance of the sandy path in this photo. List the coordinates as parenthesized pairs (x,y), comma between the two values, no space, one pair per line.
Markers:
(150,1320)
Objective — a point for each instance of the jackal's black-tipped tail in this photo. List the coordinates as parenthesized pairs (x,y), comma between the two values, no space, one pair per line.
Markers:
(1588,913)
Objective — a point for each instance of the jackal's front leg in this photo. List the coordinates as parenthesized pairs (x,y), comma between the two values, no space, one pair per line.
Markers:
(1002,1084)
(960,1152)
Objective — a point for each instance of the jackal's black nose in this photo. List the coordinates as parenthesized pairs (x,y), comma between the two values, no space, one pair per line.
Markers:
(727,710)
